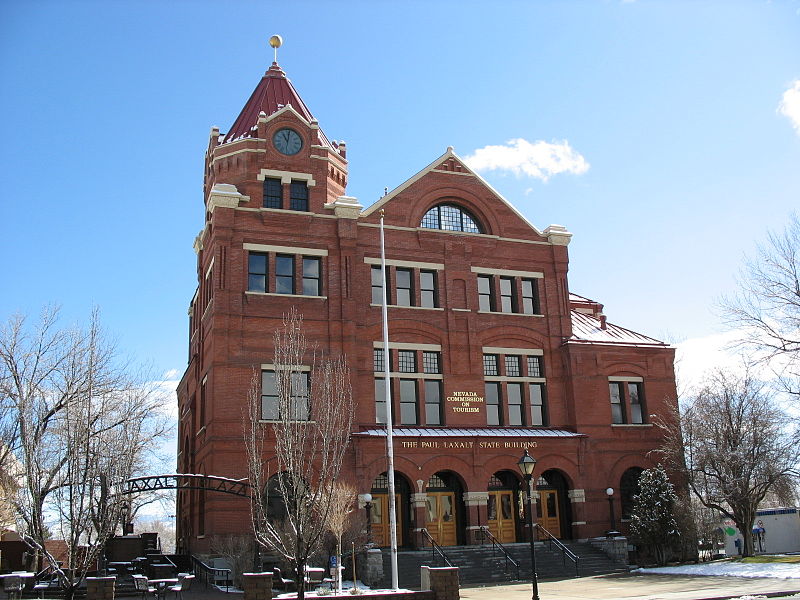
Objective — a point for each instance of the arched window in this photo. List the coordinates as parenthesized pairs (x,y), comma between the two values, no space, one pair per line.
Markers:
(628,488)
(450,218)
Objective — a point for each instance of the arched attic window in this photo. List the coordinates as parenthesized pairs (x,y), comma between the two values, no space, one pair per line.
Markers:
(450,217)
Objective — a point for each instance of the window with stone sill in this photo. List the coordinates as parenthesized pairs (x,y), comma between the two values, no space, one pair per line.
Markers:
(404,283)
(285,278)
(627,401)
(419,397)
(505,294)
(514,403)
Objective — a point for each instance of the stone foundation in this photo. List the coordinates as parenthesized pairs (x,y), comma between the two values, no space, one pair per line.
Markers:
(616,547)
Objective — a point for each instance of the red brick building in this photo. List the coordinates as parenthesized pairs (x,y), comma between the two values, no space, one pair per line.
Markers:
(490,352)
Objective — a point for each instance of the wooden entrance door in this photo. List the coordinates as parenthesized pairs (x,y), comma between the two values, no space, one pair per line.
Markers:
(440,517)
(500,516)
(379,518)
(547,511)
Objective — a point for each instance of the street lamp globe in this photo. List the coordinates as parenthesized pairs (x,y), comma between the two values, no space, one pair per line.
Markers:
(610,491)
(526,464)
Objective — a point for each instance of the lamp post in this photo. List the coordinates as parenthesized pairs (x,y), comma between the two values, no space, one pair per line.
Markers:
(368,505)
(526,465)
(613,531)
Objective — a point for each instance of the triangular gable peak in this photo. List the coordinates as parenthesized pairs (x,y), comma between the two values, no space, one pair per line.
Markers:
(452,164)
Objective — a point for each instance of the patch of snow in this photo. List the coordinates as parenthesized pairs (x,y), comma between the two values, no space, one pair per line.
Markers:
(732,569)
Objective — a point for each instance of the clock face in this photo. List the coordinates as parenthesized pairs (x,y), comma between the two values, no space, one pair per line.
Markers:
(287,141)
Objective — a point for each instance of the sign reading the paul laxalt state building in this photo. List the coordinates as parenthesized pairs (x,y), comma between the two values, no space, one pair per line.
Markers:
(468,444)
(463,402)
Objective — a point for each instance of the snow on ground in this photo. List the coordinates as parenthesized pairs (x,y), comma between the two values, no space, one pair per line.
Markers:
(732,569)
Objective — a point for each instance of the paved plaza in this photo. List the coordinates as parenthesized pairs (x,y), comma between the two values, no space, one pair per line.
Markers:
(633,586)
(625,586)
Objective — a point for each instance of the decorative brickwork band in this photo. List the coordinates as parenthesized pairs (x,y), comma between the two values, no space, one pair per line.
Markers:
(257,586)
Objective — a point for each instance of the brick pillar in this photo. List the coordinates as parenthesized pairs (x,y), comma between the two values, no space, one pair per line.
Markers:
(418,501)
(257,586)
(476,503)
(578,500)
(100,588)
(442,581)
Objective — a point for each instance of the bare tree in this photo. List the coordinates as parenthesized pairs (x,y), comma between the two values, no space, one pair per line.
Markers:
(238,551)
(767,305)
(298,456)
(343,496)
(733,444)
(79,420)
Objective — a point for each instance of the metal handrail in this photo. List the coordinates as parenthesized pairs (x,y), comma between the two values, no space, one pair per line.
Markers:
(566,553)
(435,548)
(485,533)
(202,568)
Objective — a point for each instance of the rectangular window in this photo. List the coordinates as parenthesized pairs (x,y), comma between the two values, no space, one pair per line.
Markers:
(298,404)
(407,361)
(535,366)
(513,365)
(377,360)
(257,272)
(485,293)
(380,400)
(408,401)
(493,407)
(530,297)
(637,401)
(508,301)
(538,415)
(431,362)
(490,364)
(284,274)
(377,285)
(298,196)
(427,289)
(269,396)
(433,402)
(615,389)
(405,289)
(312,276)
(273,193)
(514,394)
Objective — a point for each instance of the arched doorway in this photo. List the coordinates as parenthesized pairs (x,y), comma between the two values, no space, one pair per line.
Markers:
(553,509)
(502,508)
(444,509)
(628,488)
(379,513)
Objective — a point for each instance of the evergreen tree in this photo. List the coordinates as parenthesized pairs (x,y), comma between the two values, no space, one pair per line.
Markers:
(653,522)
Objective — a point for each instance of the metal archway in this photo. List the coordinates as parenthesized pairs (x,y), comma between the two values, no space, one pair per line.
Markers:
(184,481)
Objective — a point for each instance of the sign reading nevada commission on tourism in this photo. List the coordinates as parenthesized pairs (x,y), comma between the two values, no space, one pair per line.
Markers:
(463,402)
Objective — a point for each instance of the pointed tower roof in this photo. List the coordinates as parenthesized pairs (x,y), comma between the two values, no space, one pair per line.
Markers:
(273,93)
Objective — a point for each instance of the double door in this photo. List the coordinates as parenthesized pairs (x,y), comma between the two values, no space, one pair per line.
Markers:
(500,516)
(440,517)
(547,511)
(379,519)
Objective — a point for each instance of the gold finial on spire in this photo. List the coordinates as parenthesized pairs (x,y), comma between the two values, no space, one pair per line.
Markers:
(276,41)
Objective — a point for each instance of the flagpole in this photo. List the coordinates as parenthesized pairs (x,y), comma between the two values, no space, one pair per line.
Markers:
(388,402)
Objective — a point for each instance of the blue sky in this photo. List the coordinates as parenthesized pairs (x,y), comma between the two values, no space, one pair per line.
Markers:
(674,107)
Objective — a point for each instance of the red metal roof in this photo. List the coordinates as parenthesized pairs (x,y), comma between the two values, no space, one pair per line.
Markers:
(272,93)
(589,330)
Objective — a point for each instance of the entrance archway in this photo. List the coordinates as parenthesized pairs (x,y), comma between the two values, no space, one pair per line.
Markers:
(445,518)
(502,509)
(553,508)
(379,514)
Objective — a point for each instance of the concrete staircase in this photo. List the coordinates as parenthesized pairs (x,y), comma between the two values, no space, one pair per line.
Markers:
(480,565)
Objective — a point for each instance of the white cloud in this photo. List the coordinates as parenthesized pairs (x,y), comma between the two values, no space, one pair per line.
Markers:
(538,159)
(790,105)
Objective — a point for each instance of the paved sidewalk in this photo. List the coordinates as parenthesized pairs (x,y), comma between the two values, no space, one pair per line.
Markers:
(634,586)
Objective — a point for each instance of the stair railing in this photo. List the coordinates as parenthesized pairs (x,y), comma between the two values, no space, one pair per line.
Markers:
(566,553)
(207,573)
(436,549)
(497,545)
